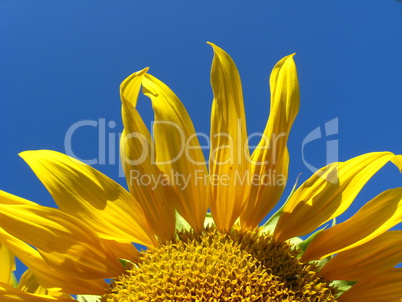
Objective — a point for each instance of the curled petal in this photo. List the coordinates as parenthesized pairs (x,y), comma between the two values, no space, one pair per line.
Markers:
(130,87)
(178,151)
(270,159)
(143,176)
(328,193)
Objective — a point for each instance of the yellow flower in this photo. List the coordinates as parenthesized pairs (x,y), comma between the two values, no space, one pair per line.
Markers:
(193,254)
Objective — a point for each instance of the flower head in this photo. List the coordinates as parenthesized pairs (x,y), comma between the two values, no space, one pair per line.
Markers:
(195,254)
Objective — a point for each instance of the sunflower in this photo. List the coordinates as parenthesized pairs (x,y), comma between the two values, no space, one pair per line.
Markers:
(202,225)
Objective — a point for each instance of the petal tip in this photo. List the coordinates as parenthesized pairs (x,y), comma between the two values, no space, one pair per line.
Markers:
(141,72)
(25,154)
(215,47)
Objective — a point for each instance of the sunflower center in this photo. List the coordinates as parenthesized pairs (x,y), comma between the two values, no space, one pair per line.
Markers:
(211,266)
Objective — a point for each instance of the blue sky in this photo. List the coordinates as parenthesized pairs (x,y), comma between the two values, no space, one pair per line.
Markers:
(62,63)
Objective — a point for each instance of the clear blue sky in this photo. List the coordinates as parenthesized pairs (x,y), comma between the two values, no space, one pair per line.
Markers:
(62,63)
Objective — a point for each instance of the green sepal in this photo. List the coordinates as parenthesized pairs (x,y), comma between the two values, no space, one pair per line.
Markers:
(125,262)
(209,221)
(321,263)
(269,226)
(88,298)
(14,280)
(342,286)
(181,223)
(295,241)
(302,246)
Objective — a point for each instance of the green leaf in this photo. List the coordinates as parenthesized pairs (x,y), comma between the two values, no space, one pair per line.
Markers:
(269,226)
(302,246)
(125,262)
(14,280)
(295,241)
(342,286)
(321,263)
(88,298)
(209,221)
(181,223)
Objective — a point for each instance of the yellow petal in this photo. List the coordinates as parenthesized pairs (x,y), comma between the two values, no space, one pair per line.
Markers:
(384,286)
(46,276)
(89,195)
(178,152)
(384,251)
(229,153)
(67,244)
(328,193)
(125,251)
(11,294)
(7,265)
(7,198)
(374,218)
(29,284)
(130,87)
(144,177)
(270,160)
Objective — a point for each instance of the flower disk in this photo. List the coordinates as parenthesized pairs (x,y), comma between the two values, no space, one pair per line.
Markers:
(212,266)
